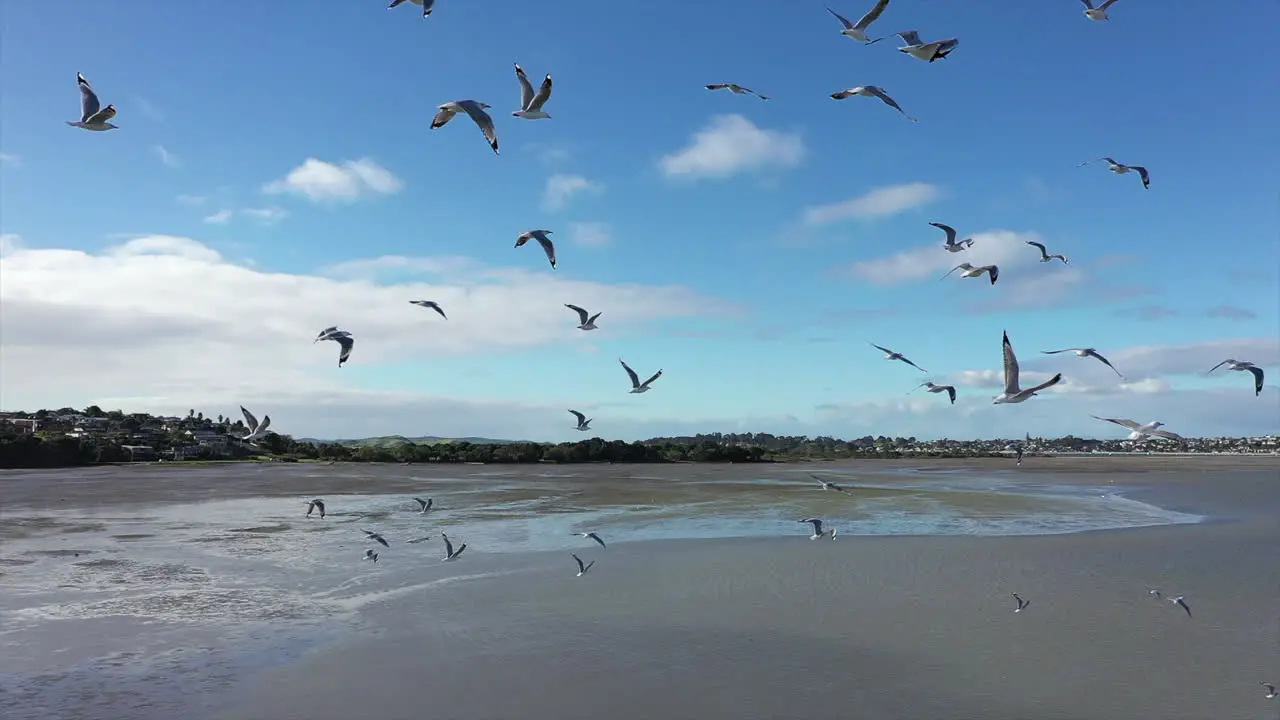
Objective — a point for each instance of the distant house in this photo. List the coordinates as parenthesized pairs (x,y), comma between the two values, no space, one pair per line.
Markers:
(140,452)
(207,438)
(24,425)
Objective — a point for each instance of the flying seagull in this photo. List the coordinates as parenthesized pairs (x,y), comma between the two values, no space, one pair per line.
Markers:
(530,102)
(1044,253)
(427,5)
(872,91)
(827,485)
(1022,604)
(1271,690)
(1141,431)
(1086,352)
(376,537)
(582,569)
(948,389)
(430,304)
(370,555)
(638,387)
(1120,169)
(951,244)
(316,504)
(591,536)
(859,31)
(449,552)
(1013,393)
(967,270)
(1098,13)
(735,89)
(1155,593)
(817,528)
(344,339)
(92,115)
(1243,365)
(325,333)
(541,236)
(891,355)
(1182,604)
(584,422)
(585,321)
(256,429)
(476,110)
(926,51)
(424,505)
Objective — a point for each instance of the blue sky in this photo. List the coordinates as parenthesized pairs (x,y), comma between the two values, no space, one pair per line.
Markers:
(759,317)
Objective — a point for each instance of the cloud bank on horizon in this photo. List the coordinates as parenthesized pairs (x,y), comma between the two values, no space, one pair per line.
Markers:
(749,249)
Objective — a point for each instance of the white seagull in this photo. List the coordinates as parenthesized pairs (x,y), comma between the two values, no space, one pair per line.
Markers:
(449,552)
(591,536)
(1141,431)
(1086,352)
(891,355)
(1271,690)
(1022,604)
(817,529)
(376,537)
(872,91)
(926,51)
(951,245)
(1182,604)
(858,31)
(827,485)
(430,304)
(424,505)
(541,236)
(1243,365)
(344,339)
(585,320)
(476,111)
(1155,593)
(1120,169)
(736,89)
(1097,13)
(584,423)
(948,389)
(370,555)
(427,5)
(256,429)
(92,115)
(582,569)
(967,271)
(316,504)
(1013,393)
(1044,252)
(530,102)
(638,387)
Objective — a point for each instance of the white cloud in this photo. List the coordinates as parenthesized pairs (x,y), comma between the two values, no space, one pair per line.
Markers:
(9,243)
(191,200)
(880,202)
(731,144)
(268,214)
(590,234)
(221,217)
(10,160)
(166,157)
(560,189)
(321,181)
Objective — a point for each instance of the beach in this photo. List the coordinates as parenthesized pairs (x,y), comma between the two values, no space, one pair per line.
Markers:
(773,625)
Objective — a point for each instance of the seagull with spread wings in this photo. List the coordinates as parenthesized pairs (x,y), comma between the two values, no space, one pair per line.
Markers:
(530,102)
(1087,352)
(474,110)
(951,245)
(430,304)
(548,247)
(891,355)
(638,387)
(1120,168)
(1242,366)
(1044,252)
(858,30)
(584,422)
(736,89)
(1139,431)
(586,321)
(256,429)
(92,115)
(948,389)
(968,271)
(1013,392)
(872,91)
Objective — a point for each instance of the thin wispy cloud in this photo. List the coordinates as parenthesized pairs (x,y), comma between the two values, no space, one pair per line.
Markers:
(191,200)
(731,144)
(166,157)
(1230,312)
(561,188)
(10,160)
(877,203)
(266,215)
(590,234)
(320,181)
(148,109)
(221,217)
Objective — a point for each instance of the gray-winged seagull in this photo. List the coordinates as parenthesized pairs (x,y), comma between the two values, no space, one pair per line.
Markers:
(541,236)
(1243,365)
(968,271)
(827,485)
(256,429)
(584,423)
(1013,393)
(474,110)
(430,304)
(424,505)
(427,5)
(1182,604)
(817,528)
(1120,169)
(1022,604)
(928,51)
(1044,252)
(1271,690)
(370,555)
(1086,352)
(449,552)
(891,355)
(948,389)
(951,245)
(92,115)
(638,387)
(1140,431)
(1097,13)
(591,536)
(858,30)
(530,102)
(735,89)
(582,569)
(586,321)
(316,504)
(872,91)
(344,339)
(325,333)
(376,537)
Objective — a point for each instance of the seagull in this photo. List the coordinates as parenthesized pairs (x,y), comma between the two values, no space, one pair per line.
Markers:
(476,110)
(951,244)
(531,103)
(1243,365)
(591,536)
(582,569)
(1098,13)
(583,421)
(371,535)
(325,333)
(1086,352)
(585,321)
(1271,690)
(425,505)
(817,529)
(1022,604)
(449,552)
(427,5)
(1121,169)
(859,31)
(541,236)
(1182,604)
(872,91)
(92,115)
(638,387)
(1013,393)
(968,270)
(1044,253)
(949,389)
(1141,431)
(926,51)
(827,485)
(256,429)
(316,504)
(891,355)
(370,555)
(1155,593)
(735,89)
(343,338)
(430,304)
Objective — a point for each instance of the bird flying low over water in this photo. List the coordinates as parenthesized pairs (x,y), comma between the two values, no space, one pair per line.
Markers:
(817,529)
(449,552)
(541,236)
(638,387)
(827,485)
(530,102)
(968,271)
(430,304)
(1097,13)
(427,5)
(474,110)
(1022,604)
(951,245)
(1044,253)
(949,389)
(1243,365)
(92,115)
(376,537)
(424,505)
(591,536)
(928,51)
(370,555)
(858,30)
(1271,690)
(872,91)
(316,504)
(1086,352)
(583,421)
(1013,393)
(1141,431)
(585,321)
(735,89)
(256,429)
(1182,604)
(1120,169)
(582,569)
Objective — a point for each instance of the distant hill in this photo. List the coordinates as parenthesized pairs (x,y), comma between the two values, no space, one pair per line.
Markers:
(394,440)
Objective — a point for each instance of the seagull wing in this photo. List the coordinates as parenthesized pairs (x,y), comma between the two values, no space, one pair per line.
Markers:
(961,266)
(1142,173)
(582,314)
(1106,4)
(266,423)
(993,271)
(544,94)
(655,377)
(910,37)
(884,97)
(874,14)
(1087,4)
(461,547)
(816,523)
(1165,434)
(1104,361)
(1010,367)
(421,503)
(1257,379)
(882,349)
(581,568)
(444,114)
(1044,253)
(903,359)
(1215,367)
(718,86)
(1046,384)
(249,419)
(581,418)
(448,547)
(347,342)
(635,379)
(381,540)
(952,392)
(596,537)
(89,104)
(1122,422)
(1055,352)
(592,319)
(547,247)
(843,20)
(482,121)
(526,89)
(950,231)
